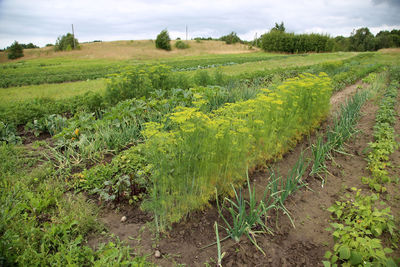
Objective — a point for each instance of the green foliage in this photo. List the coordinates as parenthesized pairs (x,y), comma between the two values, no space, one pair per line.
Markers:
(279,41)
(125,178)
(279,27)
(137,82)
(370,78)
(15,51)
(40,108)
(231,137)
(246,215)
(8,134)
(362,40)
(42,225)
(84,139)
(231,38)
(163,41)
(385,141)
(357,230)
(181,45)
(51,124)
(66,43)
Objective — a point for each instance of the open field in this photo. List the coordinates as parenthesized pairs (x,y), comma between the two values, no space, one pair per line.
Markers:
(218,156)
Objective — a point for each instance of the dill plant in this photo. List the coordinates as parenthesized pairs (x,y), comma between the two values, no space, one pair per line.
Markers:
(192,153)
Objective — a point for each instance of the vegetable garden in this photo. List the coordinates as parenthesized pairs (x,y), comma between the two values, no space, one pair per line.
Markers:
(175,146)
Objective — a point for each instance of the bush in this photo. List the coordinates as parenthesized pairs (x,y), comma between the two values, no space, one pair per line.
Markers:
(231,38)
(181,45)
(163,41)
(66,43)
(278,41)
(15,51)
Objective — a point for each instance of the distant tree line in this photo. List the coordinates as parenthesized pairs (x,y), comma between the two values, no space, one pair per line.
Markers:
(278,40)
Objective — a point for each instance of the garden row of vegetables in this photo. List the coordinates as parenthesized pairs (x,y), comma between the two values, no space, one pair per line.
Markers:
(146,82)
(31,72)
(360,220)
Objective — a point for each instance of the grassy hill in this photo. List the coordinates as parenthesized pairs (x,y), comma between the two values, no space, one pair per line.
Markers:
(136,50)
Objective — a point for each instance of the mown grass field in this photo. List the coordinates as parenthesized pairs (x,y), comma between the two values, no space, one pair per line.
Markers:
(157,156)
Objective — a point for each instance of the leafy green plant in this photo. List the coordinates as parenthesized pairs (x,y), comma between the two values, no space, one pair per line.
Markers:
(8,133)
(124,178)
(385,141)
(357,230)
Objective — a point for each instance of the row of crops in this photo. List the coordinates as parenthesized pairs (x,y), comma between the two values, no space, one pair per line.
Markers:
(27,73)
(363,226)
(147,81)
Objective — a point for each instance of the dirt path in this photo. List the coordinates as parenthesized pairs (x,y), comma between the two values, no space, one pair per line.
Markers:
(304,245)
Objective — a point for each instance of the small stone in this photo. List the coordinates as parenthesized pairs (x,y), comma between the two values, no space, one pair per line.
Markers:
(123,219)
(182,232)
(157,254)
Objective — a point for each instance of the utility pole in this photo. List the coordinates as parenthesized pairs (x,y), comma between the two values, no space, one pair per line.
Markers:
(255,39)
(73,34)
(186,33)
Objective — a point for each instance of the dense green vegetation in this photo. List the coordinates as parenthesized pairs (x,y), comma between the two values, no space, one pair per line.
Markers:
(15,51)
(176,133)
(362,39)
(163,41)
(365,232)
(66,43)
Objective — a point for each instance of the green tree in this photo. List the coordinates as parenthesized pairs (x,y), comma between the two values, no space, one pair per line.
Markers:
(279,27)
(15,51)
(163,41)
(362,40)
(341,44)
(66,42)
(231,38)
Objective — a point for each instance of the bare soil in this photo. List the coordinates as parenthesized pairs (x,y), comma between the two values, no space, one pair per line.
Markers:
(302,245)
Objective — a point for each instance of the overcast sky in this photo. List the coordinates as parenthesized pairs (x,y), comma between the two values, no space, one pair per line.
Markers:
(42,21)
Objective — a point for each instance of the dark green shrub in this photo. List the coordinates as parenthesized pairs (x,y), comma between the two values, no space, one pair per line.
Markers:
(362,40)
(163,41)
(181,45)
(66,43)
(278,41)
(29,46)
(15,51)
(231,38)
